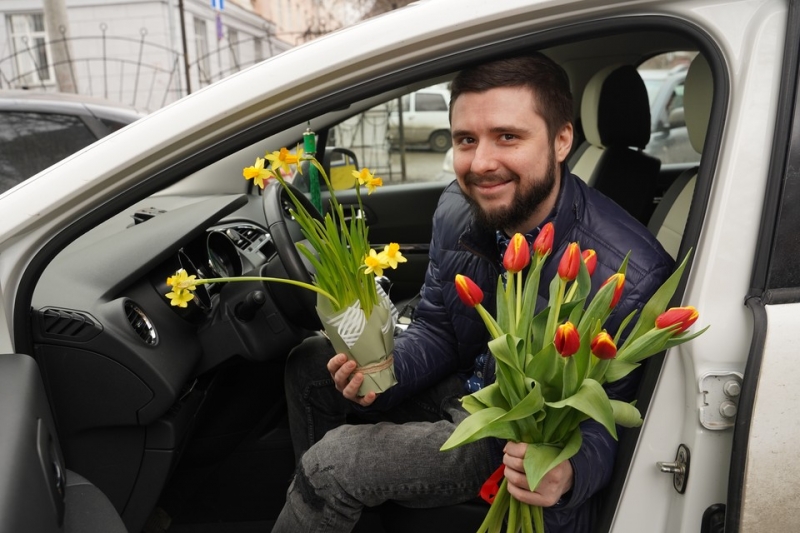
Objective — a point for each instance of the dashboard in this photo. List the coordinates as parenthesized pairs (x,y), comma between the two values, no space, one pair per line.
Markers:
(106,335)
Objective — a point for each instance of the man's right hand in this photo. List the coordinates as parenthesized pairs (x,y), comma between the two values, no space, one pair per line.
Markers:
(342,372)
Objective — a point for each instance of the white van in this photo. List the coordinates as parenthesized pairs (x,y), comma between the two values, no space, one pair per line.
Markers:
(425,120)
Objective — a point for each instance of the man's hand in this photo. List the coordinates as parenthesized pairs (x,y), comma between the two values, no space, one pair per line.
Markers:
(347,383)
(553,485)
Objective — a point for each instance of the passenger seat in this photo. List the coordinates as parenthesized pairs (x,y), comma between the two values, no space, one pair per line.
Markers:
(615,113)
(669,219)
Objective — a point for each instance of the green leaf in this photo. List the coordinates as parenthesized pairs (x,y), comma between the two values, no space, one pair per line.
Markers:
(683,337)
(619,369)
(659,301)
(503,318)
(488,396)
(644,346)
(479,425)
(626,414)
(592,400)
(542,458)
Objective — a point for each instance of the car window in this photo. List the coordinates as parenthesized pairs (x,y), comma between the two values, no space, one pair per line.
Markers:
(663,77)
(430,102)
(401,147)
(31,142)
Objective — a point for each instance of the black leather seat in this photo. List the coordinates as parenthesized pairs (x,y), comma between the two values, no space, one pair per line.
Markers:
(37,493)
(615,116)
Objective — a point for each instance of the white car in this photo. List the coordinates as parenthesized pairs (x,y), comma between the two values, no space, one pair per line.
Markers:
(425,116)
(176,418)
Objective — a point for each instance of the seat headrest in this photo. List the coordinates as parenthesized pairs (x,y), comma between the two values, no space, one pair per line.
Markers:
(615,110)
(698,92)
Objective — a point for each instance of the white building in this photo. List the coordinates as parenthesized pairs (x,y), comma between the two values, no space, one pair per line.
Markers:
(145,53)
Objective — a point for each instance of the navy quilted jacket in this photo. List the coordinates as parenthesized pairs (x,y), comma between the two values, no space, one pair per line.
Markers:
(446,335)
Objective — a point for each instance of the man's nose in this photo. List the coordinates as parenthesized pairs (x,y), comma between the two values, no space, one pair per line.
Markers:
(485,159)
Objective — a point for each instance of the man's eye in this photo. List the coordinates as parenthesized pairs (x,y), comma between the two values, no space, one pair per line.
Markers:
(466,140)
(509,136)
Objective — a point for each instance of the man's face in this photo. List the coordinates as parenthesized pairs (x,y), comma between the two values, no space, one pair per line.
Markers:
(505,164)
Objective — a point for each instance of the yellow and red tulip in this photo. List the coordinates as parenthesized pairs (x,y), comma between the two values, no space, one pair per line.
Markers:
(618,280)
(468,291)
(683,317)
(570,262)
(567,339)
(518,254)
(603,346)
(543,244)
(590,259)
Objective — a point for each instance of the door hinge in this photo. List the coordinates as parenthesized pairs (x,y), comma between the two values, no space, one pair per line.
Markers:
(720,391)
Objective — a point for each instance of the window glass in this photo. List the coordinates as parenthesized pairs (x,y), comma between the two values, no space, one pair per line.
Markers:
(413,152)
(31,142)
(430,102)
(663,77)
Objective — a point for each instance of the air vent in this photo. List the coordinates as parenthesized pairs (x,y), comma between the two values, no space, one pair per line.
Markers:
(247,238)
(140,323)
(65,323)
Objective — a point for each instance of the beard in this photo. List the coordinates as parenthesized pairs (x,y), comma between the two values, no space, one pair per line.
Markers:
(527,200)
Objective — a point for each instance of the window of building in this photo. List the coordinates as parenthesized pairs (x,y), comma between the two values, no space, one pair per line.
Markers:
(233,44)
(201,50)
(31,50)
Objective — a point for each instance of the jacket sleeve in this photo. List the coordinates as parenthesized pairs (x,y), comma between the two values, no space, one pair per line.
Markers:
(428,350)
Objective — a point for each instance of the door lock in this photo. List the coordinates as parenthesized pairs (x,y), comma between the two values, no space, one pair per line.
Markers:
(679,468)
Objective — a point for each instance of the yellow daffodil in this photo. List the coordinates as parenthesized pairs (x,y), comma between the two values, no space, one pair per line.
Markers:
(257,173)
(375,262)
(367,179)
(363,175)
(182,281)
(281,159)
(182,286)
(180,297)
(392,255)
(373,184)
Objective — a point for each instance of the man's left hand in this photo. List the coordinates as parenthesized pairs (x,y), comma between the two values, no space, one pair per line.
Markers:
(554,484)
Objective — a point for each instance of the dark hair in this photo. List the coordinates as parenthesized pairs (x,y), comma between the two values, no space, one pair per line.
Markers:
(548,81)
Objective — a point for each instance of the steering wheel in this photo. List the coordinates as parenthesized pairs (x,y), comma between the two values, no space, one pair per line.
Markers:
(297,304)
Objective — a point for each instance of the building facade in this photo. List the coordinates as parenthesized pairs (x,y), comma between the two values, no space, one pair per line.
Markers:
(144,53)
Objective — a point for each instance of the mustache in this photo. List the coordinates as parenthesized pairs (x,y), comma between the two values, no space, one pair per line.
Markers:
(471,178)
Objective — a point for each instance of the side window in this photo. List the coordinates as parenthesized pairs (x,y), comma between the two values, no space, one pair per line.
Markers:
(430,102)
(664,76)
(403,140)
(31,142)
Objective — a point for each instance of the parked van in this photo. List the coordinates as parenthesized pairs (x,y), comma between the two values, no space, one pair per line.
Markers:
(425,120)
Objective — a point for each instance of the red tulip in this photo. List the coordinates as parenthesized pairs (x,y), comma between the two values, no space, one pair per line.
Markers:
(518,254)
(683,317)
(543,244)
(619,280)
(468,291)
(603,346)
(590,258)
(570,262)
(567,340)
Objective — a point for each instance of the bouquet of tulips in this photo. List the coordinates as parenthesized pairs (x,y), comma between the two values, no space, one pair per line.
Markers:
(551,366)
(357,315)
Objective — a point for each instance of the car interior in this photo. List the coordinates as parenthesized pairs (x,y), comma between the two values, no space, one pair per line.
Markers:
(132,415)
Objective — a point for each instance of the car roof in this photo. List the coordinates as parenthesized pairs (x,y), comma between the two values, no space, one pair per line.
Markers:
(65,103)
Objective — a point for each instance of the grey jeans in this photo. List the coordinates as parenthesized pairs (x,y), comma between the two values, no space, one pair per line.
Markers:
(395,456)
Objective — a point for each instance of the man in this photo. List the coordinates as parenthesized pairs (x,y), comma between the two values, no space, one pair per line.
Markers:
(512,131)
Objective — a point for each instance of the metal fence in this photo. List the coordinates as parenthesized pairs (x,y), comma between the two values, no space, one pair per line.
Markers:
(133,71)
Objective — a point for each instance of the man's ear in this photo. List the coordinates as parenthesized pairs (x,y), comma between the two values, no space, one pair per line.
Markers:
(563,142)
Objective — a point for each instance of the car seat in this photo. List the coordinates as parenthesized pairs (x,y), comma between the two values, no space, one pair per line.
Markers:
(669,218)
(615,114)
